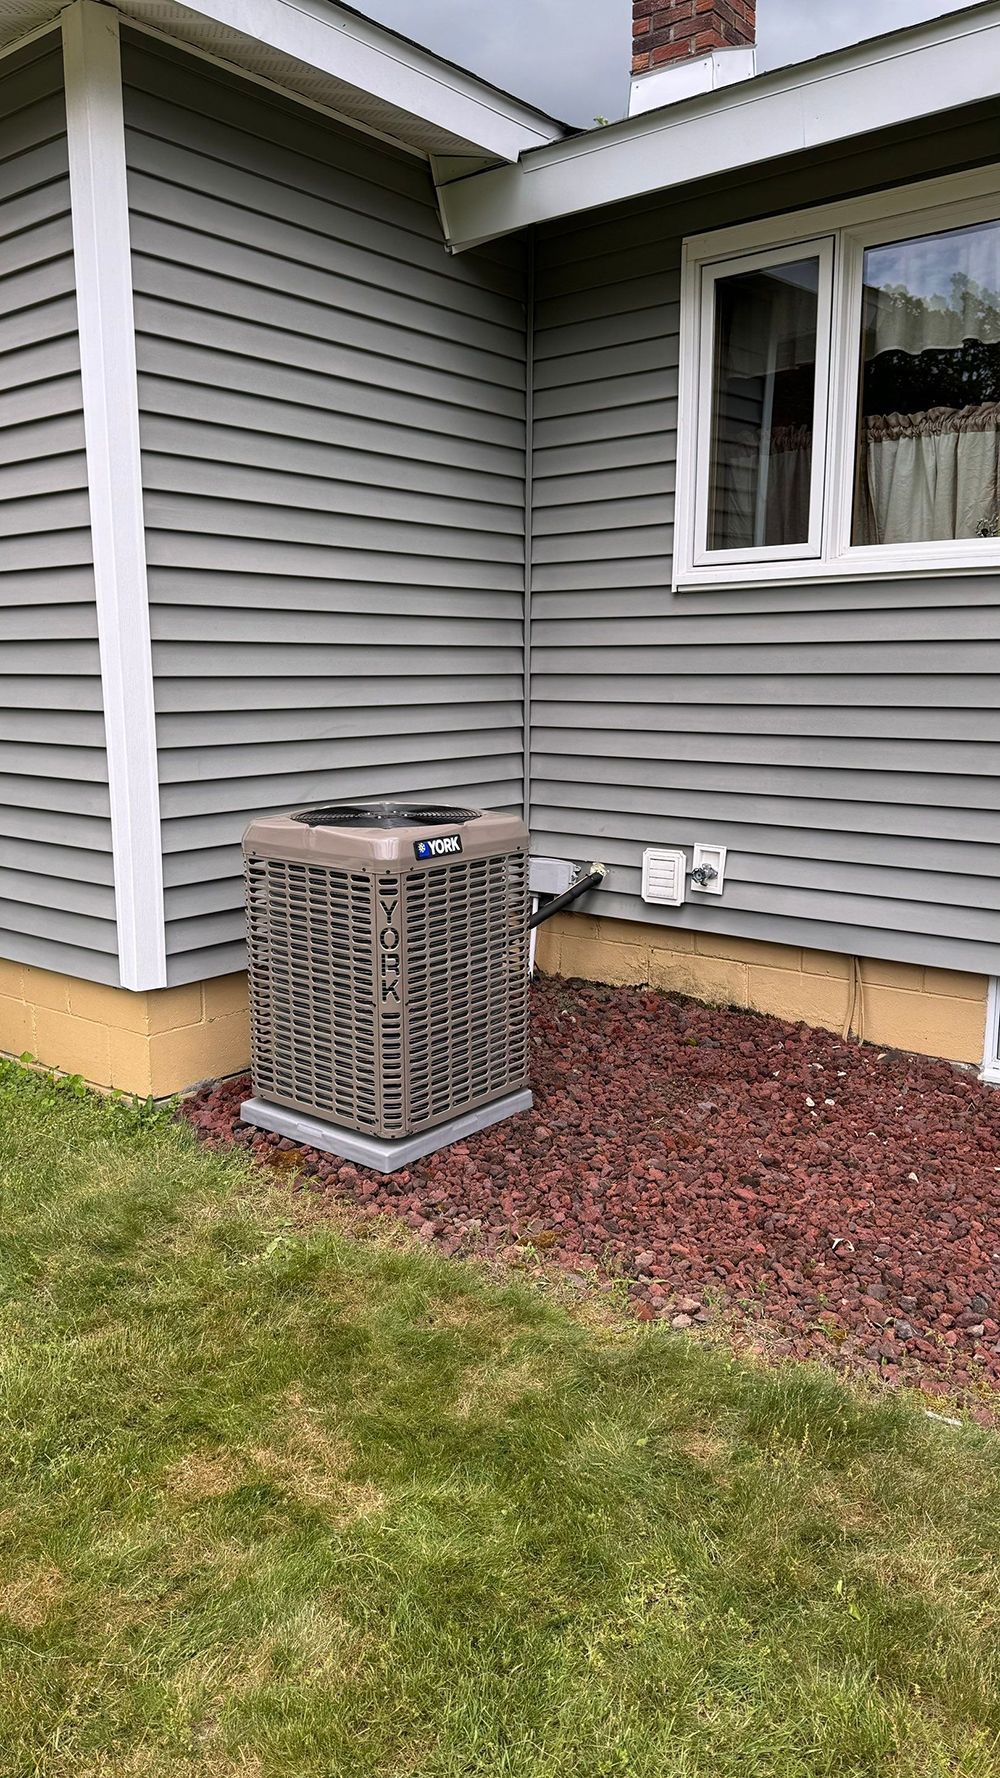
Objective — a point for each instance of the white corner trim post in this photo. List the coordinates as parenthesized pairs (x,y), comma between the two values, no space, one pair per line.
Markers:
(990,1072)
(96,141)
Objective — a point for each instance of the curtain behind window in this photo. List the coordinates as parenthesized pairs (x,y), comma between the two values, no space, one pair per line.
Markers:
(929,447)
(933,476)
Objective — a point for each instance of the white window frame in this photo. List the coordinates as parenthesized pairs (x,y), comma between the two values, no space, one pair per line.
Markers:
(849,228)
(713,273)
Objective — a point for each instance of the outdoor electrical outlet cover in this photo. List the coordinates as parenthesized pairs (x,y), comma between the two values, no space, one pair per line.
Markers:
(710,858)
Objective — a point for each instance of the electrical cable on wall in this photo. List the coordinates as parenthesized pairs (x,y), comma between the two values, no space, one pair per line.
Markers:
(854,1021)
(583,886)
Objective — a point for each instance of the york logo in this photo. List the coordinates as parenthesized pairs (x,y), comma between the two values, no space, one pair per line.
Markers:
(388,940)
(443,848)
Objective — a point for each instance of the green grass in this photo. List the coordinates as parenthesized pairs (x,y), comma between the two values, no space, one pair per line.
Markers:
(276,1499)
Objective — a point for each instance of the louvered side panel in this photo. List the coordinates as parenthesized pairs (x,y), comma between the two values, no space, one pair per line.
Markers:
(466,986)
(311,937)
(56,868)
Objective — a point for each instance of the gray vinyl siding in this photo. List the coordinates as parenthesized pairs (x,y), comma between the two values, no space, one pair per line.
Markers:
(842,740)
(332,423)
(57,904)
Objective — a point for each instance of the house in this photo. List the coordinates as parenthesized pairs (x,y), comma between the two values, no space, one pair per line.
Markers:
(367,431)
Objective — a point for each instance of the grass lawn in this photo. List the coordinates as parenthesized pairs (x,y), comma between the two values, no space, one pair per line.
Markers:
(276,1499)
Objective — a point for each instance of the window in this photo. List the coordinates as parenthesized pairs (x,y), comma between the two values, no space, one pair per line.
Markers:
(840,393)
(765,380)
(930,388)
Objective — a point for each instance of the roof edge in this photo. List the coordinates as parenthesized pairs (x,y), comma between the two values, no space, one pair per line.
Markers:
(932,66)
(443,106)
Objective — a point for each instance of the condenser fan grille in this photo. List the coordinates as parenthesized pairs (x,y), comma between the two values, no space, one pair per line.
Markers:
(386,815)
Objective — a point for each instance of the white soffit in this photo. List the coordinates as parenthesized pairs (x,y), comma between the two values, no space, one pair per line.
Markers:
(913,73)
(18,18)
(334,58)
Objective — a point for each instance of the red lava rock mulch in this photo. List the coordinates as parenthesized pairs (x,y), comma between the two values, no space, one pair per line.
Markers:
(726,1164)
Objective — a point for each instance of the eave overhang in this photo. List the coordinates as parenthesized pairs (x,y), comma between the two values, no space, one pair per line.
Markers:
(340,61)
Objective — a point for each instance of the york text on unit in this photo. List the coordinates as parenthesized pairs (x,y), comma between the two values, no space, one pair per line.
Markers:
(388,938)
(442,848)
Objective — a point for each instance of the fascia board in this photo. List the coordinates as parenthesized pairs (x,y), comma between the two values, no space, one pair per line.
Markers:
(952,62)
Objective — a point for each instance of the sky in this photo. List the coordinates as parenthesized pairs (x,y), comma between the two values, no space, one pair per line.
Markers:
(571,57)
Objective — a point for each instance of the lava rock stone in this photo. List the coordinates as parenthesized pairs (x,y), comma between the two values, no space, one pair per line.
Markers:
(670,1142)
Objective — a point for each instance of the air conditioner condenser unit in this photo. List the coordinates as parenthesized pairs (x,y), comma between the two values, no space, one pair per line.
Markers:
(388,963)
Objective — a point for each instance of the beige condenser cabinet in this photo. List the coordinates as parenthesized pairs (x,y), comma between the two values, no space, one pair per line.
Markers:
(388,960)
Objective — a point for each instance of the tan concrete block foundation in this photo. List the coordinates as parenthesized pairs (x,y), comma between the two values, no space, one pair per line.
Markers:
(934,1012)
(152,1044)
(164,1041)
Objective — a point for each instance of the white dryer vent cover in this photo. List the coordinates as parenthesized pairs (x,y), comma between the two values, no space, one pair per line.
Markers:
(664,876)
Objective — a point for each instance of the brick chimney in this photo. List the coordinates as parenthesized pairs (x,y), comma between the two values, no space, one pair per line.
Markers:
(665,31)
(684,47)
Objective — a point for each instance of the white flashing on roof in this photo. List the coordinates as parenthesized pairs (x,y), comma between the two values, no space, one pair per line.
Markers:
(690,78)
(913,73)
(332,56)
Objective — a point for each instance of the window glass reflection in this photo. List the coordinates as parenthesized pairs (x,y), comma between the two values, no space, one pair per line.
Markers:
(763,406)
(928,458)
